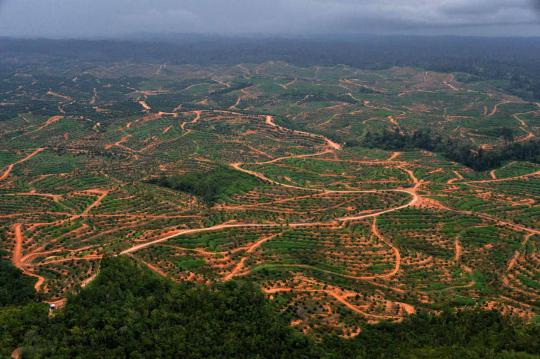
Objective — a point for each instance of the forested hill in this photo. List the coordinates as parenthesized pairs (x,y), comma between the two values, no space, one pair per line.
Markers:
(130,312)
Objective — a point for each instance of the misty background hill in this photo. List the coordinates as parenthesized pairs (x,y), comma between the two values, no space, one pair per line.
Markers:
(512,59)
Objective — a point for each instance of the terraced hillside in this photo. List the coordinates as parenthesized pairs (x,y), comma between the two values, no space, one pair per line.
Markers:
(260,172)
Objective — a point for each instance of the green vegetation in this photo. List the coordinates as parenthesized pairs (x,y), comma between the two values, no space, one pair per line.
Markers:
(15,287)
(18,323)
(129,312)
(20,315)
(456,150)
(190,264)
(213,186)
(342,235)
(469,334)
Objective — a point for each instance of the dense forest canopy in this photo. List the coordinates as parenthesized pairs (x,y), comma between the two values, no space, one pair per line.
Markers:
(20,311)
(15,287)
(211,186)
(130,312)
(455,150)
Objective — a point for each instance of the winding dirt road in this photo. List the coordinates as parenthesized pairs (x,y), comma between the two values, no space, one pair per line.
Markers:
(342,298)
(19,261)
(17,249)
(194,121)
(239,269)
(330,147)
(145,106)
(9,168)
(397,254)
(101,195)
(506,179)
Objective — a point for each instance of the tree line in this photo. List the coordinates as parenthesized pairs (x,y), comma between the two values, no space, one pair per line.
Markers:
(130,312)
(467,154)
(212,186)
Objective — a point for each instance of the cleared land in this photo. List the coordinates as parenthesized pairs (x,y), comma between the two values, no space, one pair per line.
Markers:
(219,173)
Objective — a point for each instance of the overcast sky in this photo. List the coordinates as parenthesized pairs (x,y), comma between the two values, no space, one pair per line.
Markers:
(110,18)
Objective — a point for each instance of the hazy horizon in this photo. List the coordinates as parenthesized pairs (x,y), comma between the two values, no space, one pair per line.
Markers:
(129,18)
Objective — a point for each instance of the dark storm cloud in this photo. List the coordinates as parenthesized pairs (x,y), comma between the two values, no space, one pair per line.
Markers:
(75,18)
